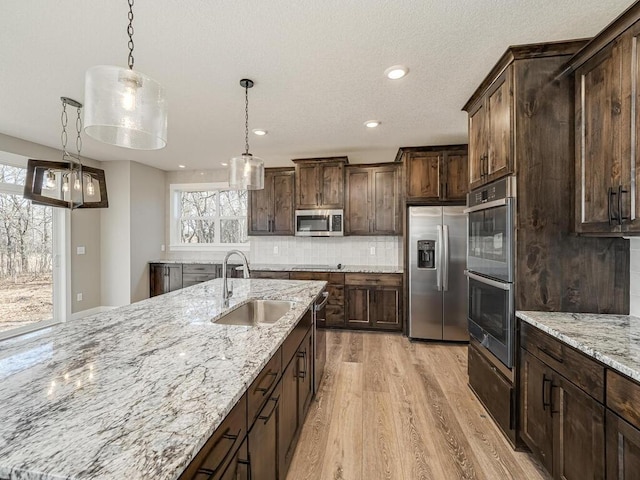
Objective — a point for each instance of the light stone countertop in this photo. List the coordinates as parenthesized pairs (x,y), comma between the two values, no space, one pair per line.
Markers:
(292,267)
(134,393)
(611,339)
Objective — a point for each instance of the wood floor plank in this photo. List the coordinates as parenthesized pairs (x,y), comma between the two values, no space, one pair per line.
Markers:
(389,408)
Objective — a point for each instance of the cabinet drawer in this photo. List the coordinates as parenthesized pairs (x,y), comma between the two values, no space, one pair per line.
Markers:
(270,275)
(217,453)
(294,339)
(193,278)
(623,397)
(210,268)
(573,365)
(385,279)
(321,276)
(258,393)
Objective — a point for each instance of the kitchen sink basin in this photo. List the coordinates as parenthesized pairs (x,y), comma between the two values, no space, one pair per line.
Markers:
(256,311)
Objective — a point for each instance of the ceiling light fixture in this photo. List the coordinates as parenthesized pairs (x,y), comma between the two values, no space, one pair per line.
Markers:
(260,132)
(371,123)
(396,72)
(246,171)
(124,107)
(182,166)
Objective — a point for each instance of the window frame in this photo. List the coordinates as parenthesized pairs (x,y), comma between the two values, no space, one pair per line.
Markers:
(61,251)
(175,189)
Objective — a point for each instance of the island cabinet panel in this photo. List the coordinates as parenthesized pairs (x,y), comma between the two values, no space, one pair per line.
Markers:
(260,390)
(304,360)
(562,418)
(373,199)
(623,397)
(263,440)
(289,417)
(271,209)
(623,449)
(436,174)
(223,448)
(319,183)
(239,468)
(164,278)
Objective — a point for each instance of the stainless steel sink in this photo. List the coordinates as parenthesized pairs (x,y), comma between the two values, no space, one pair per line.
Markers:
(256,311)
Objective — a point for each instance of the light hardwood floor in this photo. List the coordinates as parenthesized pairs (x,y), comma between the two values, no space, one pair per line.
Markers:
(393,409)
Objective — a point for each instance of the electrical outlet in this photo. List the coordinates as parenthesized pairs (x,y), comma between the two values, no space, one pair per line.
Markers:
(80,250)
(372,250)
(162,248)
(79,297)
(276,250)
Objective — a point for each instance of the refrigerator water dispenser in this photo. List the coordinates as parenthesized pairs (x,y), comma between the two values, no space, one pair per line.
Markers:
(426,254)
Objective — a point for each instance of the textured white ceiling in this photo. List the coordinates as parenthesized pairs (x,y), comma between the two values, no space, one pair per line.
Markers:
(318,67)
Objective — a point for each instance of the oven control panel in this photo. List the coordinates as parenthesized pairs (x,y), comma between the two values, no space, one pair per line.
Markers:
(498,190)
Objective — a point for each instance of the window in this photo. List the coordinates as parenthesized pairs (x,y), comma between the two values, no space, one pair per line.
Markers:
(208,217)
(28,247)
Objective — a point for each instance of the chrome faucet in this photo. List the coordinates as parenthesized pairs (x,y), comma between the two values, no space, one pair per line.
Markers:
(225,289)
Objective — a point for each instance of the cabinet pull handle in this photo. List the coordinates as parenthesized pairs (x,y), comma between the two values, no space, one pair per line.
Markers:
(225,436)
(275,401)
(551,355)
(303,355)
(446,190)
(247,463)
(621,218)
(264,390)
(545,404)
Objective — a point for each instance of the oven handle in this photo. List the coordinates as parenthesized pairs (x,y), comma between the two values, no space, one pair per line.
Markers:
(488,281)
(485,206)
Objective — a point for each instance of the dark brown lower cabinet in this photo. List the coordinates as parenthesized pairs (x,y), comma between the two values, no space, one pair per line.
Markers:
(304,358)
(289,414)
(164,278)
(264,440)
(623,449)
(239,468)
(377,308)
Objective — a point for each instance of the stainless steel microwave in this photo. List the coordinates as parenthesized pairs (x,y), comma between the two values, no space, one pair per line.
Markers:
(319,223)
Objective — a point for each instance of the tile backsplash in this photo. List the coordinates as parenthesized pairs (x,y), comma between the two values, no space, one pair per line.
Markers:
(327,251)
(634,287)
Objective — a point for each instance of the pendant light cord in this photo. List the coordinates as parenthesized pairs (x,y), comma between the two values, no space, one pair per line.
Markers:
(130,33)
(246,119)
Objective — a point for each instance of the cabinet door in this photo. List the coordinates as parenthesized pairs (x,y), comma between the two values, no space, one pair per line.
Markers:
(423,175)
(630,183)
(156,280)
(456,177)
(357,306)
(332,185)
(477,145)
(500,117)
(307,185)
(335,306)
(623,449)
(283,195)
(536,427)
(578,422)
(385,308)
(261,207)
(263,440)
(358,211)
(386,217)
(289,414)
(598,140)
(239,468)
(304,359)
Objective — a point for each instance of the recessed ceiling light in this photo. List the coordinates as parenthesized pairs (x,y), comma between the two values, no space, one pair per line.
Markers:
(371,123)
(396,72)
(182,166)
(224,164)
(259,131)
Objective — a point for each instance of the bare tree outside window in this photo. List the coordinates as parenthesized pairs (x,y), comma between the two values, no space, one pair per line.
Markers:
(26,250)
(213,217)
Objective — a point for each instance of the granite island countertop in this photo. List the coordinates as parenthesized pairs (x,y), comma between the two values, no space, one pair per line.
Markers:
(611,339)
(135,392)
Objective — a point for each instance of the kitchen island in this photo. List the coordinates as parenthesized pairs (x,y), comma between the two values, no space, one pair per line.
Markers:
(135,392)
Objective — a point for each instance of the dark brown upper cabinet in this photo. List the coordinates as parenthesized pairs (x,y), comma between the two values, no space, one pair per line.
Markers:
(271,209)
(436,174)
(319,183)
(607,162)
(373,200)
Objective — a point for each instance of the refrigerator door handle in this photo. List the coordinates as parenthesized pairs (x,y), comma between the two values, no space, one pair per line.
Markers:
(439,265)
(445,259)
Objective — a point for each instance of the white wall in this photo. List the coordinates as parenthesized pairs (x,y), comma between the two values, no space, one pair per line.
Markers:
(147,217)
(327,251)
(634,286)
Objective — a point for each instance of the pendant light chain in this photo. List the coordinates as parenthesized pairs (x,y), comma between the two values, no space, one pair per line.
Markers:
(130,33)
(64,119)
(78,130)
(246,119)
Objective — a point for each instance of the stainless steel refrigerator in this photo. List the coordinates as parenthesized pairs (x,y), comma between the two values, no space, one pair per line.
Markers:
(437,284)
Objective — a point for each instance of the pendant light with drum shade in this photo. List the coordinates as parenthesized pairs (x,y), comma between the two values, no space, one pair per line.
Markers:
(124,107)
(246,171)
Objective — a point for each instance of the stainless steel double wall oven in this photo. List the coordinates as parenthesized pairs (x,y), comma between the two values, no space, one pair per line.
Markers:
(490,267)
